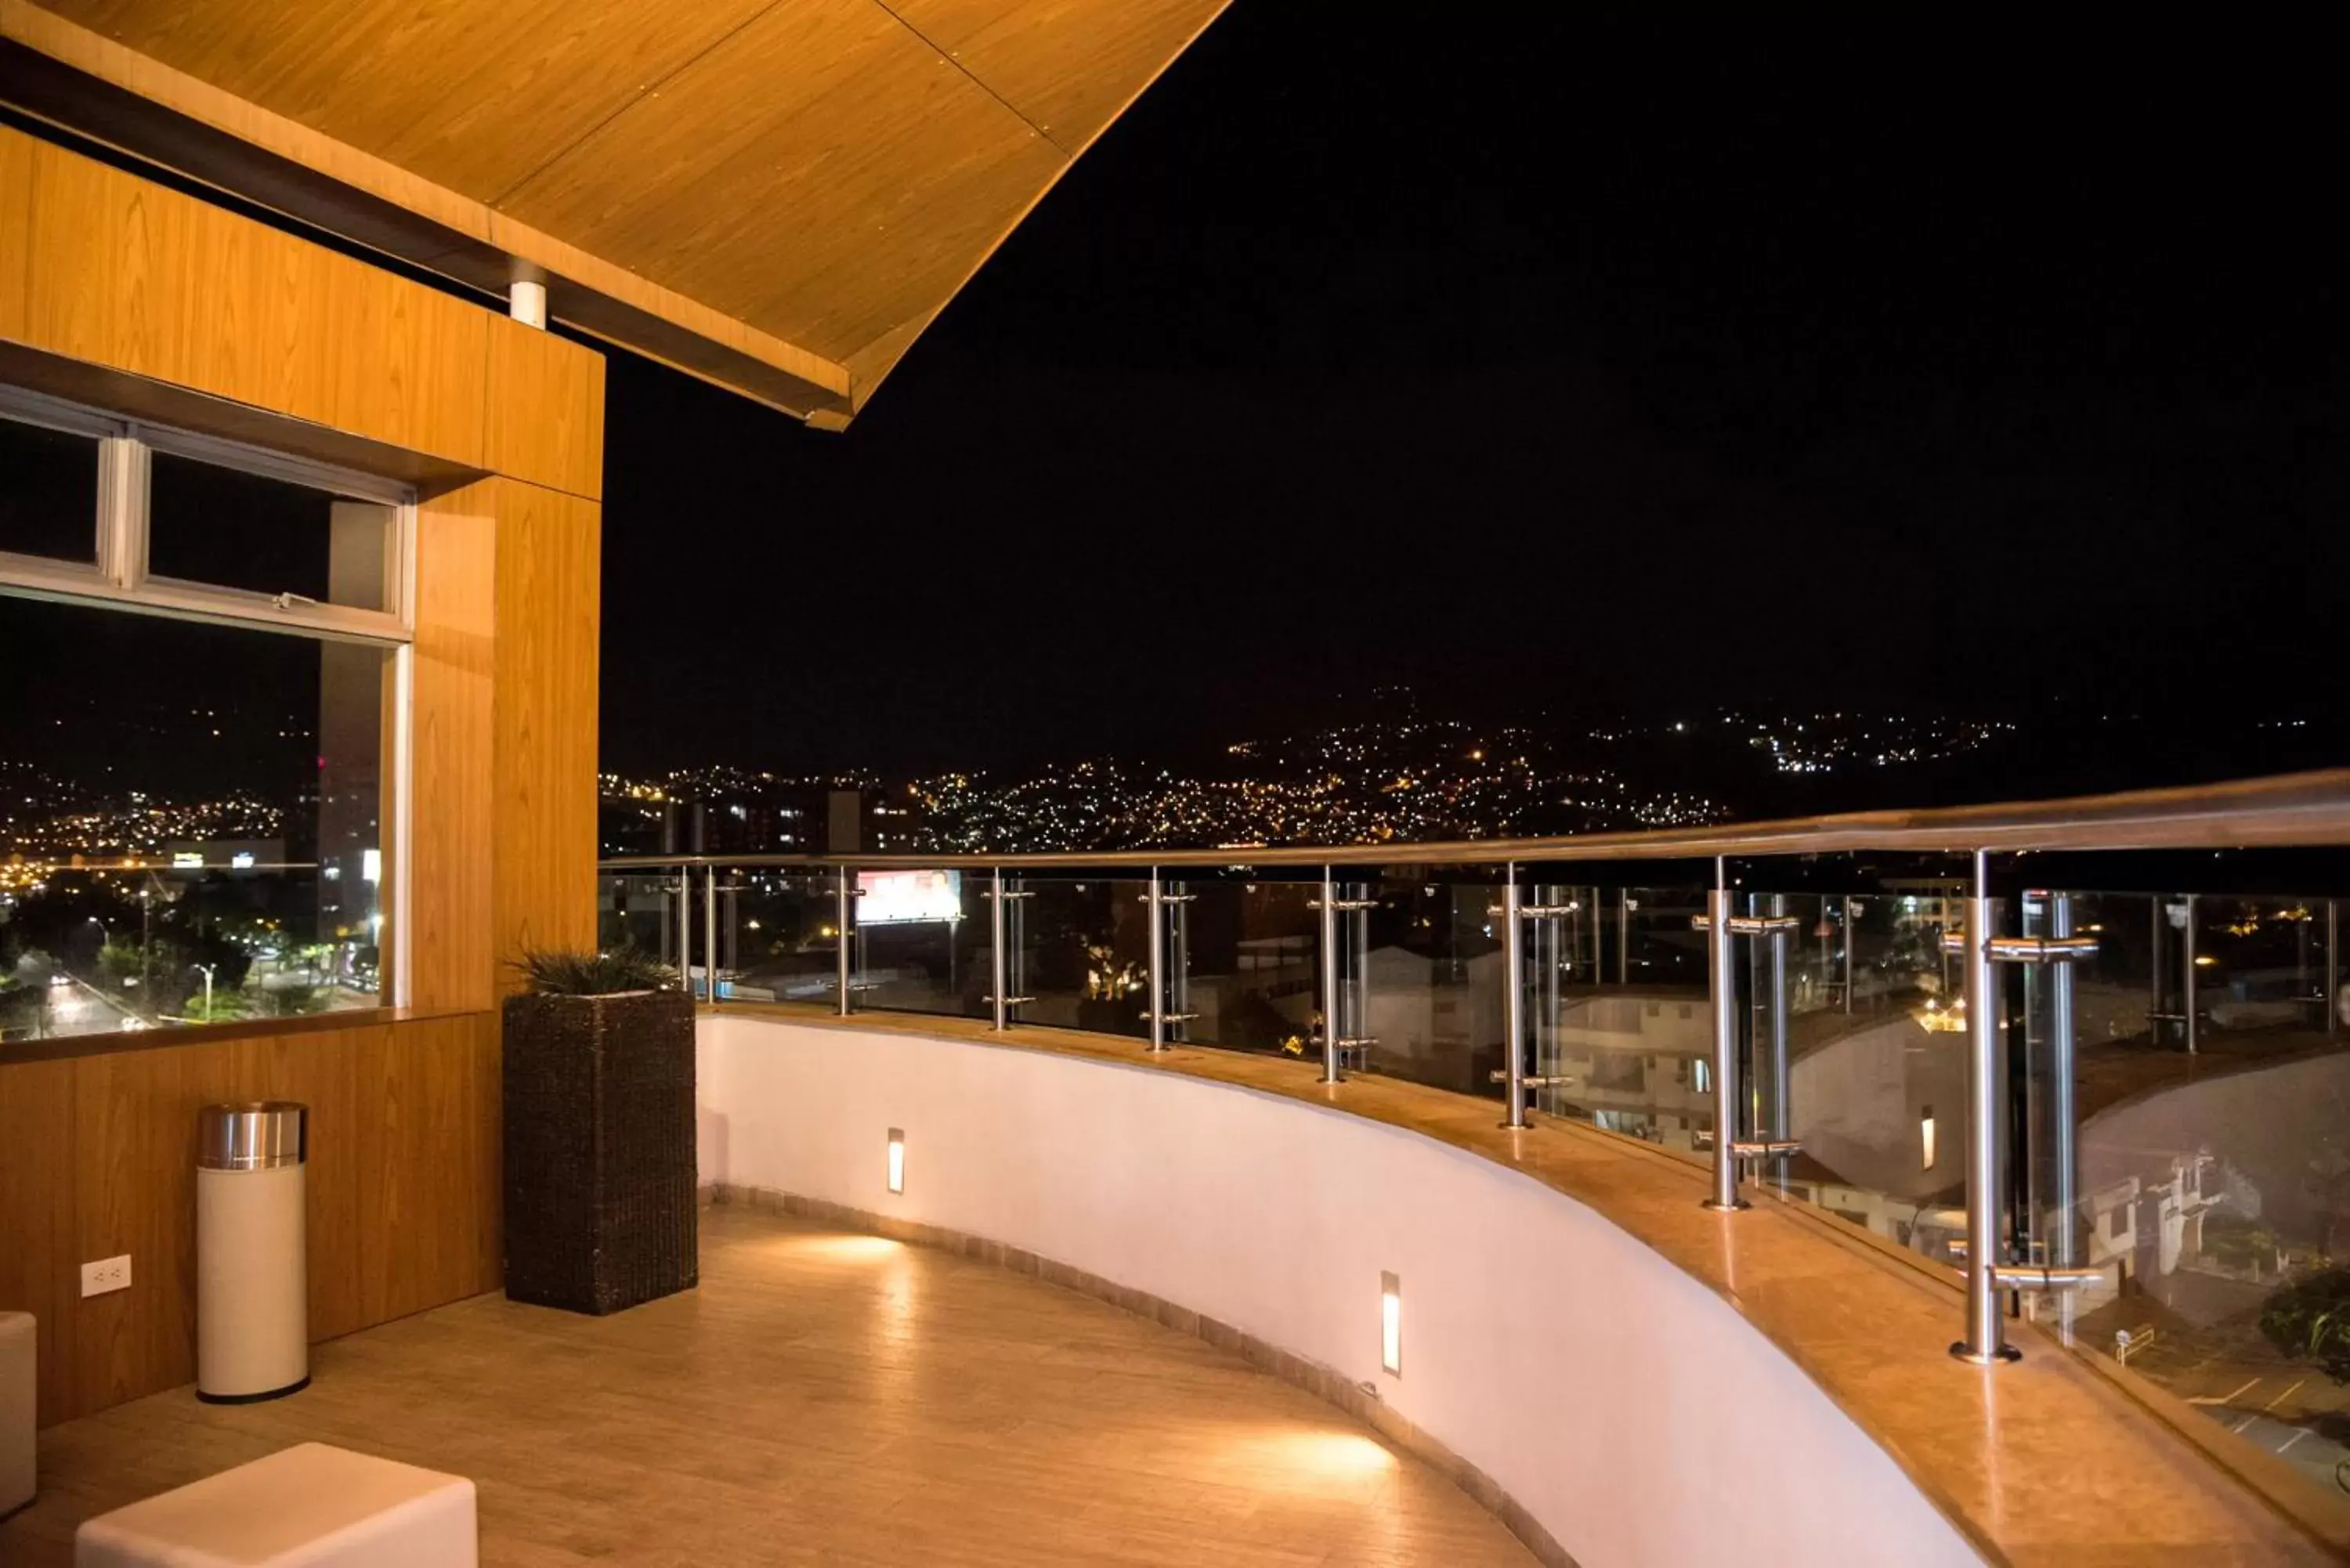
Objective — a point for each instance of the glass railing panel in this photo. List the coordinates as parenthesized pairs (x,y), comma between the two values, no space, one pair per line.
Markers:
(2260,971)
(779,936)
(1875,1096)
(1661,947)
(1431,950)
(1082,955)
(1814,955)
(1897,962)
(1249,942)
(638,910)
(2208,1188)
(1627,1043)
(922,942)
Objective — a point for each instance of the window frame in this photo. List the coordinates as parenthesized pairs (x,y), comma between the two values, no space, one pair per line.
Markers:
(117,574)
(117,578)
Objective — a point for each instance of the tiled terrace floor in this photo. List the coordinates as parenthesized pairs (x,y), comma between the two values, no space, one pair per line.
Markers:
(824,1397)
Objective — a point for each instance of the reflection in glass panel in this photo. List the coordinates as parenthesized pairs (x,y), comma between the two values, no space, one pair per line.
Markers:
(49,491)
(230,529)
(1252,980)
(1436,977)
(192,830)
(779,934)
(638,910)
(1082,958)
(922,942)
(1614,1008)
(2203,1171)
(1869,1079)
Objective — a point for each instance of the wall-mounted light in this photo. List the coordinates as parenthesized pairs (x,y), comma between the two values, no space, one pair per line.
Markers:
(1926,1138)
(896,1160)
(1390,1325)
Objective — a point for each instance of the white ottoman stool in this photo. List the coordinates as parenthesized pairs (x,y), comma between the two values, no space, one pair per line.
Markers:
(17,1409)
(309,1506)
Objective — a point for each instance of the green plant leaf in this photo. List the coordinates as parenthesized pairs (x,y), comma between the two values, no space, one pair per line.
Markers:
(560,971)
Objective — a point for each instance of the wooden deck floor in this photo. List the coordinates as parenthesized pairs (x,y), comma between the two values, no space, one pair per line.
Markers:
(824,1397)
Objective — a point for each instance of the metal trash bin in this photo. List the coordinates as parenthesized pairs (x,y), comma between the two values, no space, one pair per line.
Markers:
(252,1314)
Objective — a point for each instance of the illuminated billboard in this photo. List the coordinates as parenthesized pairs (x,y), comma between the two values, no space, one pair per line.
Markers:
(902,898)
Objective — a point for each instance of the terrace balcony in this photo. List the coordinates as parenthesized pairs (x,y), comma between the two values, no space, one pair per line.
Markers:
(1909,1189)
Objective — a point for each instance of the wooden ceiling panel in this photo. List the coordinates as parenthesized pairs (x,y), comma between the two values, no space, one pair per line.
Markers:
(1070,67)
(797,186)
(475,97)
(827,174)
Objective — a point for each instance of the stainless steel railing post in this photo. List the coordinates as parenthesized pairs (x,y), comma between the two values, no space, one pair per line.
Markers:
(1782,1081)
(709,933)
(2064,1239)
(999,977)
(1513,1000)
(1985,1341)
(2187,976)
(1179,958)
(1557,949)
(2333,966)
(1847,957)
(1157,938)
(1330,1073)
(1721,982)
(845,957)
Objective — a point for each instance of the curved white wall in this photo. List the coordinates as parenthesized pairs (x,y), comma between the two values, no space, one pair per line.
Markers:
(1627,1407)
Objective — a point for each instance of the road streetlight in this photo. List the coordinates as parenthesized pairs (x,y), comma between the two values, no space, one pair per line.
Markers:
(208,989)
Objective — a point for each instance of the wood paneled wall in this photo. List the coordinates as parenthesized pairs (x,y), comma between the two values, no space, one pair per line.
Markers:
(506,644)
(450,950)
(549,551)
(102,1160)
(97,1151)
(110,269)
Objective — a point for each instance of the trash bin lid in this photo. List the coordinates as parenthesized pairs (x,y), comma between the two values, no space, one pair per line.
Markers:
(258,1134)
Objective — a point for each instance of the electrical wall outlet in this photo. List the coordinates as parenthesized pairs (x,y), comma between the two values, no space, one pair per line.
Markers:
(106,1274)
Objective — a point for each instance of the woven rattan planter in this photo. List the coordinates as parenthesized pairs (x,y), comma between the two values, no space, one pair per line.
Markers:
(599,1160)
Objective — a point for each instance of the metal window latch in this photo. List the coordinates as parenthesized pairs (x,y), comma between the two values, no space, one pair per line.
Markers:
(1546,912)
(294,601)
(1765,1148)
(1168,1017)
(1010,1000)
(1533,1080)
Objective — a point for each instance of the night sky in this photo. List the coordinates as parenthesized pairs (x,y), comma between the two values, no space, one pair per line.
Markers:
(1585,372)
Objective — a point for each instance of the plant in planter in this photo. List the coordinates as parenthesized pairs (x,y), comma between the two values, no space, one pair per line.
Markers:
(599,1133)
(2309,1319)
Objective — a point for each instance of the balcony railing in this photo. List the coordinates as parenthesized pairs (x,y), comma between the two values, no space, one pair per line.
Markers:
(2092,1055)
